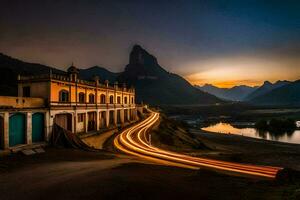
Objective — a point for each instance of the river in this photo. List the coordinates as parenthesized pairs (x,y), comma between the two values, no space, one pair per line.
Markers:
(227,128)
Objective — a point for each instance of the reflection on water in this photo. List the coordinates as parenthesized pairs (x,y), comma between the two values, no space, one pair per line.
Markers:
(293,137)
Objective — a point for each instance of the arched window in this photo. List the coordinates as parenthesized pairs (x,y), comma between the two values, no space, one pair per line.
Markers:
(102,99)
(81,97)
(118,100)
(125,100)
(63,96)
(91,98)
(111,99)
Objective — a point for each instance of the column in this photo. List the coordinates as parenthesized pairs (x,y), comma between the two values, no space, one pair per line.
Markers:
(135,114)
(74,126)
(98,117)
(128,115)
(86,122)
(122,116)
(107,118)
(115,117)
(48,126)
(6,130)
(29,128)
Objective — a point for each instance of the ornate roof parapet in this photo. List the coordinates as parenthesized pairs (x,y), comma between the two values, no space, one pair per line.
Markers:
(116,85)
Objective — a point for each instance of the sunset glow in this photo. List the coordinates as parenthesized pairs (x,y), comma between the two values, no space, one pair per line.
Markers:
(251,71)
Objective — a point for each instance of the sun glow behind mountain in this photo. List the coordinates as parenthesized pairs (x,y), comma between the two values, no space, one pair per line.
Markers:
(251,71)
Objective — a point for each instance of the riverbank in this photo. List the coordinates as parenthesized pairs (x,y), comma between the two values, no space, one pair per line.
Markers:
(249,150)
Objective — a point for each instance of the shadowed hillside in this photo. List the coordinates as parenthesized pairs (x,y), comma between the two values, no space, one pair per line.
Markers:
(288,94)
(102,73)
(265,88)
(175,136)
(11,67)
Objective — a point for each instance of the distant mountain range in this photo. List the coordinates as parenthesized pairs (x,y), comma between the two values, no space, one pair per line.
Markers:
(154,85)
(287,94)
(236,93)
(265,88)
(278,93)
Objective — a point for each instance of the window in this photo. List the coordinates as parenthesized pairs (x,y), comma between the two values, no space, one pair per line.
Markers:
(118,100)
(81,117)
(26,91)
(81,97)
(125,100)
(111,99)
(91,98)
(63,96)
(132,101)
(102,98)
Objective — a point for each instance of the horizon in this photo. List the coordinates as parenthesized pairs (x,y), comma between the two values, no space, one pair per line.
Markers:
(261,44)
(221,86)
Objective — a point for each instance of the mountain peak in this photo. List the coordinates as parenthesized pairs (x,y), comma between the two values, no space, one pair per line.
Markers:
(267,83)
(140,56)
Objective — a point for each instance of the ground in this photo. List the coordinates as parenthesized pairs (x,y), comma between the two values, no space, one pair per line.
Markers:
(75,174)
(249,150)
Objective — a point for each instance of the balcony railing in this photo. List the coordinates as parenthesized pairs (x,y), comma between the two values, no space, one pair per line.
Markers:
(91,105)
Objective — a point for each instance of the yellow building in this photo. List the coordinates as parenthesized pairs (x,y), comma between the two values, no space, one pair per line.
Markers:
(77,105)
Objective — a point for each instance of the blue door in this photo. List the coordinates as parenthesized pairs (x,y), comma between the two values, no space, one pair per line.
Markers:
(38,127)
(16,129)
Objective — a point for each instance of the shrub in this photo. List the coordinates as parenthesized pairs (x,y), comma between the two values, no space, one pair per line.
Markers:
(276,126)
(261,125)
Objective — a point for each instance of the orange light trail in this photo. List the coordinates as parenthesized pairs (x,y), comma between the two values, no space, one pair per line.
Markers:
(134,141)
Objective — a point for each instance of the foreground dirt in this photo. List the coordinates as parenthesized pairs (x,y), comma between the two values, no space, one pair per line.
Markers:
(75,174)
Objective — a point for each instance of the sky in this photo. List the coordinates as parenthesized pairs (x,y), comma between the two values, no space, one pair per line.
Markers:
(221,42)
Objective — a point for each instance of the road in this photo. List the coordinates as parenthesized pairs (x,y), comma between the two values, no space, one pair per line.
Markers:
(135,141)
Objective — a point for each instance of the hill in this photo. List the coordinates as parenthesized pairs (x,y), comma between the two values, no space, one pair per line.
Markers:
(265,88)
(156,86)
(102,73)
(236,93)
(11,67)
(288,94)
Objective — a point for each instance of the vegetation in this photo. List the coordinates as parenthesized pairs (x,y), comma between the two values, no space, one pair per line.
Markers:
(276,125)
(174,135)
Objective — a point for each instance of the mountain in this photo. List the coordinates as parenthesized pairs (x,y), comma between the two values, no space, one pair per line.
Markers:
(102,73)
(236,93)
(153,84)
(11,67)
(265,88)
(288,94)
(156,86)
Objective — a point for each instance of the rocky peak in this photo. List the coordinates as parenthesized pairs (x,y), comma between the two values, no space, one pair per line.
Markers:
(140,56)
(267,83)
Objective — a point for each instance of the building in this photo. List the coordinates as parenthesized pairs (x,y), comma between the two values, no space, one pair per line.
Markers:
(77,105)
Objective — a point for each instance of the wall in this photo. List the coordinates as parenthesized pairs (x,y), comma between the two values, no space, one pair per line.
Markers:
(37,89)
(21,102)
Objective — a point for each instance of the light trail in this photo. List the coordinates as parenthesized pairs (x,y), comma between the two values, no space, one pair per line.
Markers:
(134,141)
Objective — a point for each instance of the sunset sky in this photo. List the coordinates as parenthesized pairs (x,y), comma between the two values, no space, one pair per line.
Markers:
(224,43)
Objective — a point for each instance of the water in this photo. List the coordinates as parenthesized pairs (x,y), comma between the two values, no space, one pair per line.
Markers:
(252,132)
